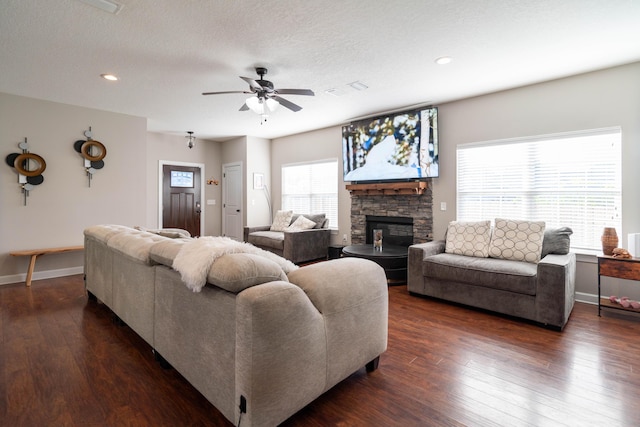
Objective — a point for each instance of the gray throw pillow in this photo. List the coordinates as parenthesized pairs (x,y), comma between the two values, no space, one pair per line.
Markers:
(556,241)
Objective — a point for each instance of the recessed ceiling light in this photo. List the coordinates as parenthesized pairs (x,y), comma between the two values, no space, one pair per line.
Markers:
(109,77)
(443,60)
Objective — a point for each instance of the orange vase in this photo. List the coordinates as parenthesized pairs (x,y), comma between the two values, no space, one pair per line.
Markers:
(609,240)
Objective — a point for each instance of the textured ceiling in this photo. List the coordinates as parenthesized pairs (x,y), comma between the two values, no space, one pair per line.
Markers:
(168,52)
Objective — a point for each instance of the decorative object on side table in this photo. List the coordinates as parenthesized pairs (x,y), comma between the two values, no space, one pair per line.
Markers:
(621,253)
(92,158)
(609,240)
(27,177)
(377,239)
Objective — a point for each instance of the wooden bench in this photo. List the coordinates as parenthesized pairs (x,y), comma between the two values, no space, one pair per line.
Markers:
(34,253)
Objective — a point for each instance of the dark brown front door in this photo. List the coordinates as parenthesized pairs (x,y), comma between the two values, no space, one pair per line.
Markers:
(181,205)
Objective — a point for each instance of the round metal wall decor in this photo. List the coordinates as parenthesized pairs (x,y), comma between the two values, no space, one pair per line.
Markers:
(85,150)
(21,163)
(92,152)
(29,167)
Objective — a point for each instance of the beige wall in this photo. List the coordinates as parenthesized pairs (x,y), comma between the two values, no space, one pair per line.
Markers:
(61,207)
(125,191)
(321,144)
(594,100)
(590,101)
(258,161)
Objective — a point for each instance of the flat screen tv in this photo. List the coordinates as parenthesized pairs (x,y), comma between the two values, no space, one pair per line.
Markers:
(400,146)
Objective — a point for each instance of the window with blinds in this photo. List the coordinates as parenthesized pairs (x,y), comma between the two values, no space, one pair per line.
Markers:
(569,180)
(311,188)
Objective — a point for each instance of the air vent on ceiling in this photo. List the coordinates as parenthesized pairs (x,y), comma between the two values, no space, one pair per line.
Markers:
(106,5)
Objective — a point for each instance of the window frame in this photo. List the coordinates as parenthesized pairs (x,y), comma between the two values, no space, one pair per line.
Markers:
(536,187)
(332,216)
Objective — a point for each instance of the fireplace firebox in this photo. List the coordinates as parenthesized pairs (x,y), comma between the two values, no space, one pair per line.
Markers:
(396,230)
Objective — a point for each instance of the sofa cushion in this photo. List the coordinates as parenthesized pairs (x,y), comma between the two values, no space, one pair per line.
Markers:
(236,272)
(164,252)
(468,238)
(172,233)
(281,220)
(513,276)
(135,244)
(301,223)
(517,240)
(103,233)
(556,241)
(269,239)
(318,219)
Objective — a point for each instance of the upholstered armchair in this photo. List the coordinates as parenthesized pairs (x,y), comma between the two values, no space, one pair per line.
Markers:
(296,237)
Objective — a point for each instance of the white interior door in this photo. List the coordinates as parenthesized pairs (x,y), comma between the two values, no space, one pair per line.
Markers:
(232,201)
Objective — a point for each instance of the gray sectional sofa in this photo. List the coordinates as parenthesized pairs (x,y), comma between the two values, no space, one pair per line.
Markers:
(541,290)
(258,343)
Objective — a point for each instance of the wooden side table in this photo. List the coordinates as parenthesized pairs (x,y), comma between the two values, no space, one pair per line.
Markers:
(619,268)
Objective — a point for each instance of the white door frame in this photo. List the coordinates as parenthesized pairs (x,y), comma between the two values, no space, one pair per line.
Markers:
(161,164)
(224,195)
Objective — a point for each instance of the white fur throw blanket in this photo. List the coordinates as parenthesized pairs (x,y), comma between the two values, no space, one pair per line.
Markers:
(196,257)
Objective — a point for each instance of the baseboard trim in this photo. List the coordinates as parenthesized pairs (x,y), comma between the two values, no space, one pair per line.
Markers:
(39,275)
(587,298)
(50,274)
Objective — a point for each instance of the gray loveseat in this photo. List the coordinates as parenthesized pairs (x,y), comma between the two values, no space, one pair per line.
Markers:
(543,292)
(295,245)
(253,337)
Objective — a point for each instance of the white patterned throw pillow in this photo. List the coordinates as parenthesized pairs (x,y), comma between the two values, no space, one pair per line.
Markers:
(302,223)
(517,240)
(281,220)
(468,238)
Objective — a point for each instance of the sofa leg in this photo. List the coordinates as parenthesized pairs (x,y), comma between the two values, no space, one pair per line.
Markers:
(373,365)
(118,321)
(161,360)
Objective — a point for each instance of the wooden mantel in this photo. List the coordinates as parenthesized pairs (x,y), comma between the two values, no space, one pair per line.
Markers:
(391,188)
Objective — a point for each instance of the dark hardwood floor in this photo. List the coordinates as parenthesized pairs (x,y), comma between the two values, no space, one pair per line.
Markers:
(64,362)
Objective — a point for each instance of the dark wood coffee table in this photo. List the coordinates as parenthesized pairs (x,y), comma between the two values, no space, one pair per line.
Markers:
(393,259)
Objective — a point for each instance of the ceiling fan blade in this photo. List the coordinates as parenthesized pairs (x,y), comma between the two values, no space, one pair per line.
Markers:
(288,104)
(307,92)
(222,93)
(244,107)
(254,84)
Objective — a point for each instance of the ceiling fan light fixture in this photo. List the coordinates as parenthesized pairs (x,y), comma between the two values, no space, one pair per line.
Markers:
(272,104)
(255,104)
(262,106)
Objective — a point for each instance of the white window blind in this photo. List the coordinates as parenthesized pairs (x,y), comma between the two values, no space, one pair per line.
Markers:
(312,188)
(569,180)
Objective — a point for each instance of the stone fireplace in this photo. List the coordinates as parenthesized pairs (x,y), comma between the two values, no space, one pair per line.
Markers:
(418,208)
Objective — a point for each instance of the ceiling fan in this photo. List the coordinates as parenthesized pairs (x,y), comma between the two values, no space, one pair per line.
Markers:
(267,98)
